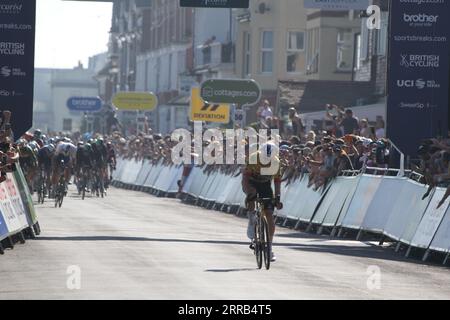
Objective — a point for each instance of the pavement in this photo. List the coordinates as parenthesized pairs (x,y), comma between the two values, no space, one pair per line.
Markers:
(131,245)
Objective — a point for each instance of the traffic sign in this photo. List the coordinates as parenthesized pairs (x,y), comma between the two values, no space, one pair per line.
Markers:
(135,101)
(215,3)
(239,117)
(202,111)
(241,92)
(85,104)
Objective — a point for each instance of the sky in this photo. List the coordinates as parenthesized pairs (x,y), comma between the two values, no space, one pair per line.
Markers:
(70,31)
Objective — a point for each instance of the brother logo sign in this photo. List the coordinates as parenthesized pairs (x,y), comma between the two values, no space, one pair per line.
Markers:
(421,19)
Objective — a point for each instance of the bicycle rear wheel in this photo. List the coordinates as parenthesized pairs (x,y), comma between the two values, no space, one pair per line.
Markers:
(266,248)
(258,244)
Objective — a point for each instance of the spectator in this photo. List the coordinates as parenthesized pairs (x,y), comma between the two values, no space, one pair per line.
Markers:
(264,111)
(379,128)
(349,123)
(364,130)
(297,125)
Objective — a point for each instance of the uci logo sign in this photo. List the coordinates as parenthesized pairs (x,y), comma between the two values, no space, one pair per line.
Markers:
(419,83)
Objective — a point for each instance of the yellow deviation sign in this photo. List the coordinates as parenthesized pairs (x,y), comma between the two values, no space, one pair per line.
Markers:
(135,101)
(202,111)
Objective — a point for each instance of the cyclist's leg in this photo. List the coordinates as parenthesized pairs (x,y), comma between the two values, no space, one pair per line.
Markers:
(250,206)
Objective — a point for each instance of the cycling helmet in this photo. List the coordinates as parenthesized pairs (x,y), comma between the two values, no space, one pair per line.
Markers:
(37,133)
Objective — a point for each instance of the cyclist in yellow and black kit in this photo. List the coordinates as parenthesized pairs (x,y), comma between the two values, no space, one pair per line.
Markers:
(257,182)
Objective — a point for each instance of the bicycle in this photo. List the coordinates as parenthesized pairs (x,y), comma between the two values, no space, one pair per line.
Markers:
(83,182)
(98,186)
(262,246)
(60,190)
(41,186)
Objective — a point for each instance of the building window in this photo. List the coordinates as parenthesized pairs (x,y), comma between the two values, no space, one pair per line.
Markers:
(295,47)
(383,35)
(358,58)
(67,124)
(247,54)
(312,51)
(344,50)
(267,51)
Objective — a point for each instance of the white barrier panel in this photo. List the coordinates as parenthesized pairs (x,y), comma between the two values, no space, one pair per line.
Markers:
(335,213)
(218,186)
(329,200)
(311,200)
(289,198)
(382,203)
(367,187)
(208,188)
(190,180)
(236,196)
(145,170)
(165,178)
(173,187)
(430,220)
(441,240)
(227,188)
(117,174)
(131,171)
(407,211)
(153,175)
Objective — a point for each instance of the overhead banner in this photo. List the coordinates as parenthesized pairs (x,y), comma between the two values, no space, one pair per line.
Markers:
(17,30)
(337,5)
(418,72)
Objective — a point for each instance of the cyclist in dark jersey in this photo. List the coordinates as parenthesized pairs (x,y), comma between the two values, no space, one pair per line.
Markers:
(45,156)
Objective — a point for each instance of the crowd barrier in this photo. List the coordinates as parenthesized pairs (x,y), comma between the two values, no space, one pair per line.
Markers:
(18,218)
(386,206)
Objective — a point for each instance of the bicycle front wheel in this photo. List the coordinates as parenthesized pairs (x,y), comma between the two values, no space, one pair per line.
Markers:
(266,247)
(258,245)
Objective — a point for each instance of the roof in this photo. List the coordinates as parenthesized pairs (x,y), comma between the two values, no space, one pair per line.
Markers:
(315,94)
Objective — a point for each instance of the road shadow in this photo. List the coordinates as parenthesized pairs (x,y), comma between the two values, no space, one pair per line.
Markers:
(231,270)
(365,250)
(145,239)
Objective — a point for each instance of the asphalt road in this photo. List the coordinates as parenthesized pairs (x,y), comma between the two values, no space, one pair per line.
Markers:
(131,245)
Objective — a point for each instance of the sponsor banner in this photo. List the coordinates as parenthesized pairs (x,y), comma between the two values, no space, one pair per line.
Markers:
(84,104)
(15,221)
(135,101)
(337,5)
(3,227)
(202,111)
(25,195)
(17,30)
(418,72)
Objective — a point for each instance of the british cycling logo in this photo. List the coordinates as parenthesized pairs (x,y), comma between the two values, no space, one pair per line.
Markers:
(419,60)
(13,8)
